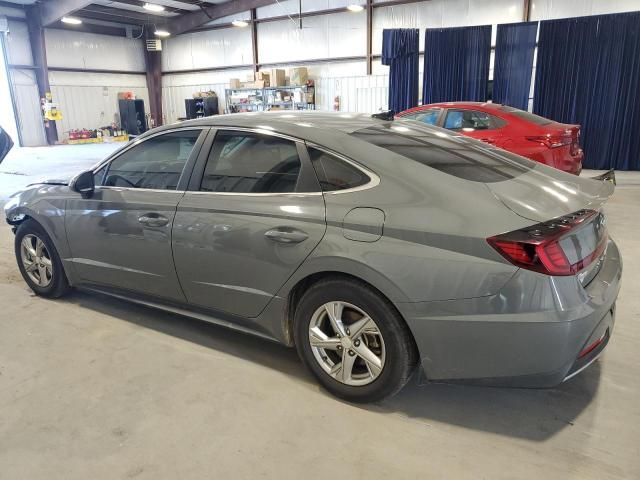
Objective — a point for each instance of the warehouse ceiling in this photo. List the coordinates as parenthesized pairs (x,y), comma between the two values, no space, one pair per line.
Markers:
(175,16)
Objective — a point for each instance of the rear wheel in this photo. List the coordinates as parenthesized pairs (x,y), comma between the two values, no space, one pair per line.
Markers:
(39,262)
(353,341)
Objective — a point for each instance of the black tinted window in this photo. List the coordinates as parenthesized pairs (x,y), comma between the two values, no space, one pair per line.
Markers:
(335,174)
(244,162)
(526,116)
(449,153)
(430,116)
(155,163)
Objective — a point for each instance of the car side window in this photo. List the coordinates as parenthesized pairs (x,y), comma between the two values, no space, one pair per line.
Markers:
(469,120)
(430,116)
(334,173)
(156,163)
(246,162)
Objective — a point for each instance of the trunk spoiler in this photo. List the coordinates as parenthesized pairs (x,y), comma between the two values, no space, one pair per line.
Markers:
(609,176)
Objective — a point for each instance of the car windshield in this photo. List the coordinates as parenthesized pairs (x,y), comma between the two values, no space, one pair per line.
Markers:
(447,152)
(526,116)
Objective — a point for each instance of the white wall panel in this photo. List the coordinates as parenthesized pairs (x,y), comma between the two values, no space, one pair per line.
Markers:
(337,35)
(291,7)
(363,94)
(549,9)
(92,51)
(442,14)
(29,115)
(213,48)
(18,45)
(90,100)
(12,12)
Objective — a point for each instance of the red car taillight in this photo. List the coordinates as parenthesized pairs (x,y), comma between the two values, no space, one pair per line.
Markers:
(552,141)
(540,247)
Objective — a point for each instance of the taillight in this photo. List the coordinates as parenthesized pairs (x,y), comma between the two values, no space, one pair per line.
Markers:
(551,141)
(562,246)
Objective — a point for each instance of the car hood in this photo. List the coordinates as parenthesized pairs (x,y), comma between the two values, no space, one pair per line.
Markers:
(544,193)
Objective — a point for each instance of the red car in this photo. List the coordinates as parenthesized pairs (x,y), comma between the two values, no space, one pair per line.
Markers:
(538,138)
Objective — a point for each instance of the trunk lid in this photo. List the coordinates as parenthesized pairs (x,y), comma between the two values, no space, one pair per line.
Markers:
(543,193)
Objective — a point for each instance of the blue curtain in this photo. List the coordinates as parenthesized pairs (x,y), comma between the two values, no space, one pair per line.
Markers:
(588,73)
(456,64)
(400,50)
(515,43)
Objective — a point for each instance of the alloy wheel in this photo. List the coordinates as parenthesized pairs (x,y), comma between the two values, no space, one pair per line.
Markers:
(36,260)
(347,343)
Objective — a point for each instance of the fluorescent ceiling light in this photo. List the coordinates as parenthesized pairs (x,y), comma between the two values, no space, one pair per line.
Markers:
(71,20)
(161,33)
(153,7)
(355,8)
(239,23)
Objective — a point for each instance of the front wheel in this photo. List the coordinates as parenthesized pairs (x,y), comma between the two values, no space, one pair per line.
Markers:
(353,341)
(39,262)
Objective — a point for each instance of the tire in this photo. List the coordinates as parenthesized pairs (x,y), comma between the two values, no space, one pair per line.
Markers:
(55,282)
(393,344)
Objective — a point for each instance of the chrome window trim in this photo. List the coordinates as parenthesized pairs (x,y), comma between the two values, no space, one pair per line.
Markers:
(132,189)
(374,179)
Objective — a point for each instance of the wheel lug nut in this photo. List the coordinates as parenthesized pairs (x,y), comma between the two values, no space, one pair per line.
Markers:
(339,347)
(348,332)
(351,353)
(357,343)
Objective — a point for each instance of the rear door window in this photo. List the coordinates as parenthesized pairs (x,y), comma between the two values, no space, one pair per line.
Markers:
(457,155)
(472,120)
(246,162)
(430,116)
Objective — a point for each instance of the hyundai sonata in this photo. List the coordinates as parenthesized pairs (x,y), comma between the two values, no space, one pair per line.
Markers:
(373,246)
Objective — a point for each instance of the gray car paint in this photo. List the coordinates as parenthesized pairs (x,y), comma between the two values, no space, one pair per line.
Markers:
(473,314)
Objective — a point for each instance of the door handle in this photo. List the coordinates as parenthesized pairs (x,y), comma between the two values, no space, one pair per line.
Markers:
(153,220)
(286,236)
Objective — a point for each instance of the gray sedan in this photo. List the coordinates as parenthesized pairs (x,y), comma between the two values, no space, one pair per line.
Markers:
(373,246)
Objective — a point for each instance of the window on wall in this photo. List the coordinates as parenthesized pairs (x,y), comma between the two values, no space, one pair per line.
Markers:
(244,162)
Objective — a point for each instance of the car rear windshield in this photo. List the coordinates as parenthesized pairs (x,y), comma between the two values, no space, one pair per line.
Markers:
(447,152)
(526,116)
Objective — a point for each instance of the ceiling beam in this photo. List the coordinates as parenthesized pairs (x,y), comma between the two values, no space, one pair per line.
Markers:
(54,10)
(139,3)
(116,13)
(195,19)
(109,18)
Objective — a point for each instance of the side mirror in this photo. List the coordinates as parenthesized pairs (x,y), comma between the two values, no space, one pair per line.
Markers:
(84,184)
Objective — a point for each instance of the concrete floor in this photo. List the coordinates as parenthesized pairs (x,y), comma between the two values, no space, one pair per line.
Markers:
(92,387)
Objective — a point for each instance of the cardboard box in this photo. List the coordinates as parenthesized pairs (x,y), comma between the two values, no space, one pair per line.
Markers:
(277,77)
(234,83)
(256,84)
(298,76)
(251,77)
(263,76)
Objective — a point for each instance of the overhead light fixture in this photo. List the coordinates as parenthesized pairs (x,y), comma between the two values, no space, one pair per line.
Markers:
(239,23)
(152,7)
(161,33)
(71,20)
(355,8)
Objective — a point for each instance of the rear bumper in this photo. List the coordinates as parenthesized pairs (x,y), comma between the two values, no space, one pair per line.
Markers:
(530,334)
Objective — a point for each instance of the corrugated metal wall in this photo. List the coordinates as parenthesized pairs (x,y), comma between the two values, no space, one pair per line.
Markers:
(24,86)
(90,100)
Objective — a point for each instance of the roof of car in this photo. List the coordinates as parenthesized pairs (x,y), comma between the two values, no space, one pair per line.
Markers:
(297,123)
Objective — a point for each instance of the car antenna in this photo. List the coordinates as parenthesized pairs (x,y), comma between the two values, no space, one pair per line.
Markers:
(384,115)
